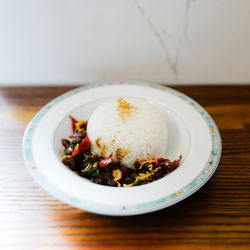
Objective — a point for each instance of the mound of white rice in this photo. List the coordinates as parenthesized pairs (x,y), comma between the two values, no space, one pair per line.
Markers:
(129,129)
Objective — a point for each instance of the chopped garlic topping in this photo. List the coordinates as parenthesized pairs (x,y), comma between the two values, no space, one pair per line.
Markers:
(117,174)
(125,109)
(79,124)
(143,176)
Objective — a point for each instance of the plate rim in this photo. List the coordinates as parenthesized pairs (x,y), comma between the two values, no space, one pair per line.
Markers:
(189,189)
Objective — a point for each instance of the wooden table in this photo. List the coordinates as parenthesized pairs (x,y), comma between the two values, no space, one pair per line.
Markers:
(215,217)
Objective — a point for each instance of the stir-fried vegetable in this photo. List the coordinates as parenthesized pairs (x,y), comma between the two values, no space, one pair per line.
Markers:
(73,123)
(106,161)
(80,159)
(82,147)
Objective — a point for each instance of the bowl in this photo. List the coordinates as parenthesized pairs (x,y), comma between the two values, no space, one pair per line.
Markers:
(192,134)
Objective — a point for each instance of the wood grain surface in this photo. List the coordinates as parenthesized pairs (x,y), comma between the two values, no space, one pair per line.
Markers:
(215,217)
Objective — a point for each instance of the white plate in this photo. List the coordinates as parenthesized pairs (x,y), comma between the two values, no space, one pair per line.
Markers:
(192,133)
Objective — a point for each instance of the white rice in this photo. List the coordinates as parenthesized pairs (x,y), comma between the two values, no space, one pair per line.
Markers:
(143,134)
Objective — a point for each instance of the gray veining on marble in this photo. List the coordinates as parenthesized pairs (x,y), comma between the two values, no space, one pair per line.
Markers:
(162,35)
(158,34)
(170,41)
(183,36)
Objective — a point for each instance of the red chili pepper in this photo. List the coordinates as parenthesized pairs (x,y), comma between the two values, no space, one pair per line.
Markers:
(173,165)
(177,162)
(106,161)
(83,146)
(73,123)
(160,161)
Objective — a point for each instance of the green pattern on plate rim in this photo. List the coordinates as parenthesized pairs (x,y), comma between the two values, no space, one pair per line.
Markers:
(199,181)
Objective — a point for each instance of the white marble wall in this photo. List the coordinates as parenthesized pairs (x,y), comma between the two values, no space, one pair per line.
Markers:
(78,41)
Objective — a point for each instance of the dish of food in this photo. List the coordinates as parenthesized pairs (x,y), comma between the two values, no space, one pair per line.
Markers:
(186,130)
(124,150)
